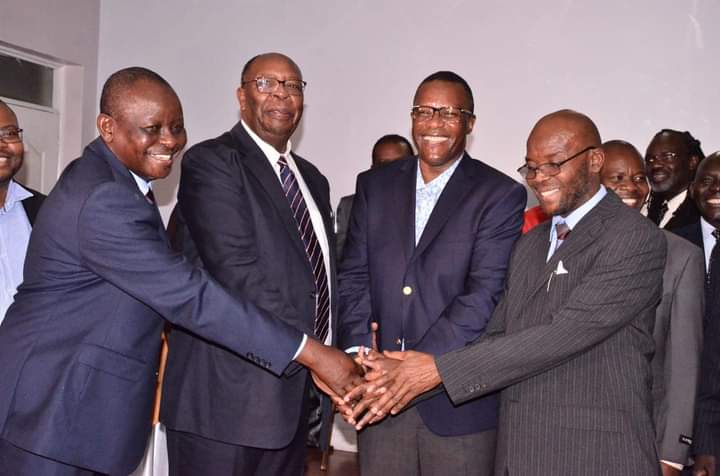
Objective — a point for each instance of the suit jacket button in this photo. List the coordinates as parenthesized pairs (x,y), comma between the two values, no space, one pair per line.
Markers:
(407,290)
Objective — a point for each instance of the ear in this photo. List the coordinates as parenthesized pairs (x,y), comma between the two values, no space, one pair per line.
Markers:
(597,158)
(240,94)
(106,127)
(470,125)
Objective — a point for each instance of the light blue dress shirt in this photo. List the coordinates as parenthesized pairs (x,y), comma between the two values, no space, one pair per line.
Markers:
(427,195)
(574,217)
(14,237)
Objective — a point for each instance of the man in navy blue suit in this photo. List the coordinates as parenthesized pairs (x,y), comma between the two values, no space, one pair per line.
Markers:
(79,347)
(426,255)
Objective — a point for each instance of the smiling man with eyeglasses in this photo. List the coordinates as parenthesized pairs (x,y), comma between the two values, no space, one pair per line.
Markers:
(258,217)
(18,208)
(428,246)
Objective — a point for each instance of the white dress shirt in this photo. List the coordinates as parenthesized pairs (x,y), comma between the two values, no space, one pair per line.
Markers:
(708,240)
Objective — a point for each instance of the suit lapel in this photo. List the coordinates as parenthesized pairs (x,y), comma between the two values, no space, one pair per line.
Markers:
(456,188)
(259,166)
(582,236)
(402,208)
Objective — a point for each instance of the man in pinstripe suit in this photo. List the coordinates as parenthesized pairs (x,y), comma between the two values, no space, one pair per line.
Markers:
(570,343)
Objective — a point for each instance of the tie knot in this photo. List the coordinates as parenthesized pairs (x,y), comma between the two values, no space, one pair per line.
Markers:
(150,196)
(282,160)
(562,230)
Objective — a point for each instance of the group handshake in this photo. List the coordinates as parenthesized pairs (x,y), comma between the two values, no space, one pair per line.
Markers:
(367,388)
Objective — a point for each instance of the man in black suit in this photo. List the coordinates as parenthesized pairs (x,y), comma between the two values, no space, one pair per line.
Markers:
(670,162)
(257,217)
(18,208)
(388,148)
(705,232)
(79,346)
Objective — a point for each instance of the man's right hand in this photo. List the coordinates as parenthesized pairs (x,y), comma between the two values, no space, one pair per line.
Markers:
(333,371)
(704,465)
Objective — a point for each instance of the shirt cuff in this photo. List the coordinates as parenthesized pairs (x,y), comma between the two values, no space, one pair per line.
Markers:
(356,349)
(672,465)
(300,347)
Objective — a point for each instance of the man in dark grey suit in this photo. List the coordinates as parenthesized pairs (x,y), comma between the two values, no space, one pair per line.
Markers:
(678,317)
(570,342)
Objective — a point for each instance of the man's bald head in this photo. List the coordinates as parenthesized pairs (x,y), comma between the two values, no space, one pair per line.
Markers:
(5,109)
(117,85)
(267,56)
(563,161)
(566,127)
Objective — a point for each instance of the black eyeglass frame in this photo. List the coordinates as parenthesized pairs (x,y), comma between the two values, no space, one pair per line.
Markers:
(280,82)
(530,172)
(438,110)
(4,133)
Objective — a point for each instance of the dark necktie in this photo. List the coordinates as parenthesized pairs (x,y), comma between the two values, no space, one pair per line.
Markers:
(657,208)
(714,260)
(150,197)
(312,247)
(562,231)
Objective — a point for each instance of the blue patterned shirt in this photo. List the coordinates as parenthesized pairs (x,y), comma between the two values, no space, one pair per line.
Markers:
(427,195)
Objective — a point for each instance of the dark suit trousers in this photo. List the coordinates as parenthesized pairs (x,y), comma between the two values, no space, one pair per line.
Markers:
(15,461)
(403,446)
(193,455)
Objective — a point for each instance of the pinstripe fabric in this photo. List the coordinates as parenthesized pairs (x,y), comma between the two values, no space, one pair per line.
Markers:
(312,247)
(571,351)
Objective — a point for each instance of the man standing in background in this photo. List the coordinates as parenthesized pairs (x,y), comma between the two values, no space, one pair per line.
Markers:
(18,208)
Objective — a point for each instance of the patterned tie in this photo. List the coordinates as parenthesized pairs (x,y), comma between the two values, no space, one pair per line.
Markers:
(562,231)
(657,208)
(312,247)
(150,197)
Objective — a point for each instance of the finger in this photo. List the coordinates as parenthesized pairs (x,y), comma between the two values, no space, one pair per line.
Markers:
(397,355)
(403,402)
(373,334)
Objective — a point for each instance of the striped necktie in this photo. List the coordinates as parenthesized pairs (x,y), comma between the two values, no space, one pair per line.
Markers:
(562,231)
(312,247)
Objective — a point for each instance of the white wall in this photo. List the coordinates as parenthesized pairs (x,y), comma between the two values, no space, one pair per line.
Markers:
(634,67)
(65,31)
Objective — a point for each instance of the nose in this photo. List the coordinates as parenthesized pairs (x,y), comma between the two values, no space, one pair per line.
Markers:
(170,139)
(280,91)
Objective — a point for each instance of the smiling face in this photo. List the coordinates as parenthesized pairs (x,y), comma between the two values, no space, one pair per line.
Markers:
(705,189)
(11,155)
(623,172)
(668,163)
(146,131)
(272,116)
(439,142)
(555,138)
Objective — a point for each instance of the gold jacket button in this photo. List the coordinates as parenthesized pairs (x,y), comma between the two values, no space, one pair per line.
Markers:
(407,290)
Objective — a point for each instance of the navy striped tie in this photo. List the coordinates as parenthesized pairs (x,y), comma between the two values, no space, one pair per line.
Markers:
(312,247)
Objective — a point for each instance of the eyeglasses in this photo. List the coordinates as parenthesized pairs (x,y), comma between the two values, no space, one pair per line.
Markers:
(11,135)
(551,168)
(665,158)
(447,114)
(294,87)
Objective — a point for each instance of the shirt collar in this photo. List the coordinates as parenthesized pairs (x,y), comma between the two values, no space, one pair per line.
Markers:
(439,181)
(270,152)
(576,215)
(15,194)
(707,230)
(142,184)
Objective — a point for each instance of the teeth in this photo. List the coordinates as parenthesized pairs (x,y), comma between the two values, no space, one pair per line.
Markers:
(629,201)
(714,201)
(548,192)
(434,139)
(161,156)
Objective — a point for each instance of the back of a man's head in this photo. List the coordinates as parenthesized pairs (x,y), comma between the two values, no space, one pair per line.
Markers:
(389,148)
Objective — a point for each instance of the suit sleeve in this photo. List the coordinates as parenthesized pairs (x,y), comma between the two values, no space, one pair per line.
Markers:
(682,362)
(120,241)
(706,440)
(465,318)
(212,197)
(625,280)
(355,310)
